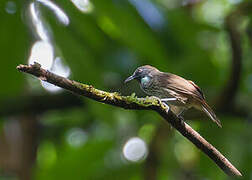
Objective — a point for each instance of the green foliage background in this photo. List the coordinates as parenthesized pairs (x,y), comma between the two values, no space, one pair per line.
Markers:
(103,47)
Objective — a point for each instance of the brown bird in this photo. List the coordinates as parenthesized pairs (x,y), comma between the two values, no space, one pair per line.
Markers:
(176,92)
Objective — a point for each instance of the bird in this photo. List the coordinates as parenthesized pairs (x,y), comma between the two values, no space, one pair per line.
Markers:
(176,92)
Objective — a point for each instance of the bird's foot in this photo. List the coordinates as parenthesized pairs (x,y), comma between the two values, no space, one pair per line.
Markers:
(162,103)
(156,98)
(167,108)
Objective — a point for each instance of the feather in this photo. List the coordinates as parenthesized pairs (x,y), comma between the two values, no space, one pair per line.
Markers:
(179,84)
(206,108)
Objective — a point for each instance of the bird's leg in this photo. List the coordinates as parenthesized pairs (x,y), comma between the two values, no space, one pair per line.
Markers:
(168,99)
(180,114)
(182,109)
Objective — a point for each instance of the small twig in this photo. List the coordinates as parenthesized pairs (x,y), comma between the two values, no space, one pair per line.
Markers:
(132,102)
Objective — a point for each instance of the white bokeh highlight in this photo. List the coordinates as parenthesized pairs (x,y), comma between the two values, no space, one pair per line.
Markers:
(42,50)
(59,68)
(40,29)
(59,13)
(42,53)
(83,5)
(135,149)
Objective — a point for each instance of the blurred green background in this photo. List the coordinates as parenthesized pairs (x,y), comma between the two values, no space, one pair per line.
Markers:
(48,133)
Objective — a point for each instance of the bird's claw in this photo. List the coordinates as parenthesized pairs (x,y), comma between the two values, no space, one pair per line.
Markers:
(161,103)
(167,108)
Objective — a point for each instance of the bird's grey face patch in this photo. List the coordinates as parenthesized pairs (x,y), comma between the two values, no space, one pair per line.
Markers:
(145,80)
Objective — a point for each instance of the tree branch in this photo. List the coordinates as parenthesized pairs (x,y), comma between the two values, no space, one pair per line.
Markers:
(134,103)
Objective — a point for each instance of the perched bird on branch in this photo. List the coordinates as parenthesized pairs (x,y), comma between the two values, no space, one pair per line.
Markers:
(176,92)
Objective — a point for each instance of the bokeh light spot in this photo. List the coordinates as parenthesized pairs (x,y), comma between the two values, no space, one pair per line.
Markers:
(42,53)
(11,7)
(41,30)
(213,12)
(135,149)
(76,137)
(60,14)
(83,5)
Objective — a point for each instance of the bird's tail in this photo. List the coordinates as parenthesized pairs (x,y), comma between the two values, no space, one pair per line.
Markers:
(206,108)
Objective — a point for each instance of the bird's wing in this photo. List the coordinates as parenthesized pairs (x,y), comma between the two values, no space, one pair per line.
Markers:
(198,88)
(180,85)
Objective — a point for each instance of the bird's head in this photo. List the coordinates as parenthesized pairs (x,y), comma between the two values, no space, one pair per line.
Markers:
(142,74)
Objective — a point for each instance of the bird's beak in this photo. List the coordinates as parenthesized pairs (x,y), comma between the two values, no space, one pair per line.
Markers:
(130,78)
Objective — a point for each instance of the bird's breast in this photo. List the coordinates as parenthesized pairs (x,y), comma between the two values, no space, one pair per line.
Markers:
(154,90)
